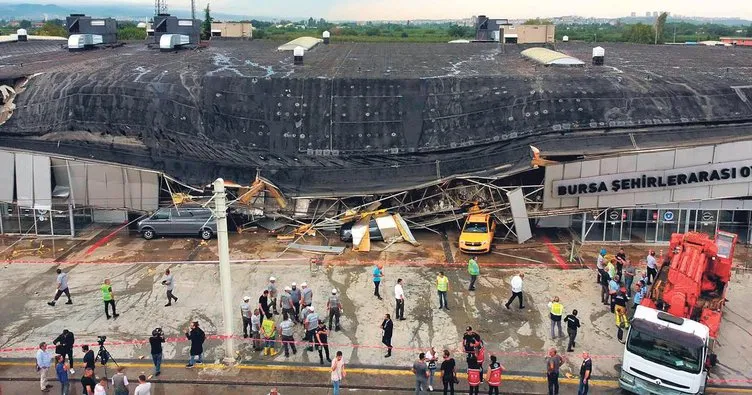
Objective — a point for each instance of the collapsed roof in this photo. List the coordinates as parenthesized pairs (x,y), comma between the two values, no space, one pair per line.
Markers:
(365,118)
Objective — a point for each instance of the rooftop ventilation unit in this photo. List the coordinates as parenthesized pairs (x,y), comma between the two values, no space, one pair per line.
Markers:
(85,32)
(297,54)
(168,25)
(22,35)
(565,39)
(326,35)
(599,55)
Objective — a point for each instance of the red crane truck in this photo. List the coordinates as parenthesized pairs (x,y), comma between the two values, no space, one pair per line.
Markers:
(669,348)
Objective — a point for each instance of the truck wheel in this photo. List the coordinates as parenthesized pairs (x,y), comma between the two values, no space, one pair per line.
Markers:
(206,234)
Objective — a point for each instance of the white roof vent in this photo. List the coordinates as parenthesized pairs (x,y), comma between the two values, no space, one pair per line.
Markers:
(169,42)
(599,51)
(298,51)
(565,39)
(326,34)
(22,32)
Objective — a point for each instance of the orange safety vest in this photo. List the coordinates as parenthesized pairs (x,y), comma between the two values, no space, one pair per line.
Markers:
(473,377)
(494,379)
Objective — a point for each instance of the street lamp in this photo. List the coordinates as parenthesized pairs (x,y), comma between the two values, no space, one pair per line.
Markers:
(225,277)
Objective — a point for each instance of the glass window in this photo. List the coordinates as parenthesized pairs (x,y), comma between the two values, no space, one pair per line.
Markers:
(664,352)
(161,214)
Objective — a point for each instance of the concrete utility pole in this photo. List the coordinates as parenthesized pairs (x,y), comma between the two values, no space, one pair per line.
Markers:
(220,212)
(193,9)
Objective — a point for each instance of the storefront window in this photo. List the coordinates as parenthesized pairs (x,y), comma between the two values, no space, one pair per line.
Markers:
(668,221)
(706,222)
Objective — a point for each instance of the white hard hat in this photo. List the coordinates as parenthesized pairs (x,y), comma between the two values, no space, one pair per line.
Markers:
(294,284)
(304,284)
(272,278)
(334,291)
(288,289)
(246,298)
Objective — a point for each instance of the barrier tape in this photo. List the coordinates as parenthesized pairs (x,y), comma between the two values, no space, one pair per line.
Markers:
(297,343)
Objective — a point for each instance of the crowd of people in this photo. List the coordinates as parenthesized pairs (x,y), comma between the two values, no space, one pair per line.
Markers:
(618,277)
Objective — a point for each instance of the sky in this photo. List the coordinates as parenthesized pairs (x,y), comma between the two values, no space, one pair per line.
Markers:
(448,9)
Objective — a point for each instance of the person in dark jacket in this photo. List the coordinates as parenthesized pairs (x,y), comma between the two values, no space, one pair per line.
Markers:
(64,346)
(387,326)
(197,336)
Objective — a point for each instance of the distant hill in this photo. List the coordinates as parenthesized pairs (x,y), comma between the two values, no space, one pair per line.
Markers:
(51,11)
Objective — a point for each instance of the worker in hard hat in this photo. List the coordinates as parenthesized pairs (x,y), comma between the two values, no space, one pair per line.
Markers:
(285,302)
(245,313)
(334,306)
(272,288)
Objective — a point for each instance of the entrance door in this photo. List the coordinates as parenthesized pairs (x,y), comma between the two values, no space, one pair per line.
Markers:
(668,224)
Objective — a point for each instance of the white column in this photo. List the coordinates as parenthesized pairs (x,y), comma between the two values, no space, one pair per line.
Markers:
(225,277)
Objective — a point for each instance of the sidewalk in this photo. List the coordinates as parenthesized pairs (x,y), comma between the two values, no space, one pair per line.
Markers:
(20,377)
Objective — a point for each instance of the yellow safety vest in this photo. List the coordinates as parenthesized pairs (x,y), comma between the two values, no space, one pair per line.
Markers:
(270,330)
(106,294)
(442,283)
(557,308)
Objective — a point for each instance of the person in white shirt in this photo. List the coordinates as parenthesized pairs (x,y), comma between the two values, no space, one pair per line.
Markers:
(338,372)
(169,282)
(44,360)
(399,296)
(516,290)
(143,387)
(652,264)
(101,388)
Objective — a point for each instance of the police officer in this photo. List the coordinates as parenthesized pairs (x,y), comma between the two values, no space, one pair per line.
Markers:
(556,311)
(272,288)
(334,307)
(295,297)
(285,302)
(306,295)
(286,328)
(573,323)
(311,322)
(245,313)
(322,342)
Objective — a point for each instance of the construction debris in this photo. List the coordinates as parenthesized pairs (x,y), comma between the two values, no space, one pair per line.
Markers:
(317,249)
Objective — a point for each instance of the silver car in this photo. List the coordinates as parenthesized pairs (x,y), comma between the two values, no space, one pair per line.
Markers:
(189,221)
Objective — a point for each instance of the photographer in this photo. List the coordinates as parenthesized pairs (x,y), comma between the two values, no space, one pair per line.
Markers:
(89,357)
(156,340)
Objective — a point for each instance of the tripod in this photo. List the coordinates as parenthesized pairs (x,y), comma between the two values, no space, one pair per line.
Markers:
(104,356)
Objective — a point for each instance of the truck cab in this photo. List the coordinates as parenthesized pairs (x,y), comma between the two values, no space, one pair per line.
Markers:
(478,233)
(665,354)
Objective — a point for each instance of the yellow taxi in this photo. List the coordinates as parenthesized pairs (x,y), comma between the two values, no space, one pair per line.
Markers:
(477,234)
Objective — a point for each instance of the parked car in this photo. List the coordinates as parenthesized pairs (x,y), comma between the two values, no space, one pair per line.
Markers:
(171,221)
(477,234)
(345,232)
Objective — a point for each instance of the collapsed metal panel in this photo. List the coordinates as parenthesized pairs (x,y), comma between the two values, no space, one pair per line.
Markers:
(42,183)
(7,176)
(24,179)
(519,215)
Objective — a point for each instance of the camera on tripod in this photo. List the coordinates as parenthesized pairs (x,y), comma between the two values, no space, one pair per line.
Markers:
(101,340)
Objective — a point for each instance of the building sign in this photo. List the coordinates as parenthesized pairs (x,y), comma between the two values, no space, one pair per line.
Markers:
(710,174)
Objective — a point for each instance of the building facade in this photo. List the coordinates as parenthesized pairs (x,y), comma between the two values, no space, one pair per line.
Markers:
(742,41)
(645,197)
(232,30)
